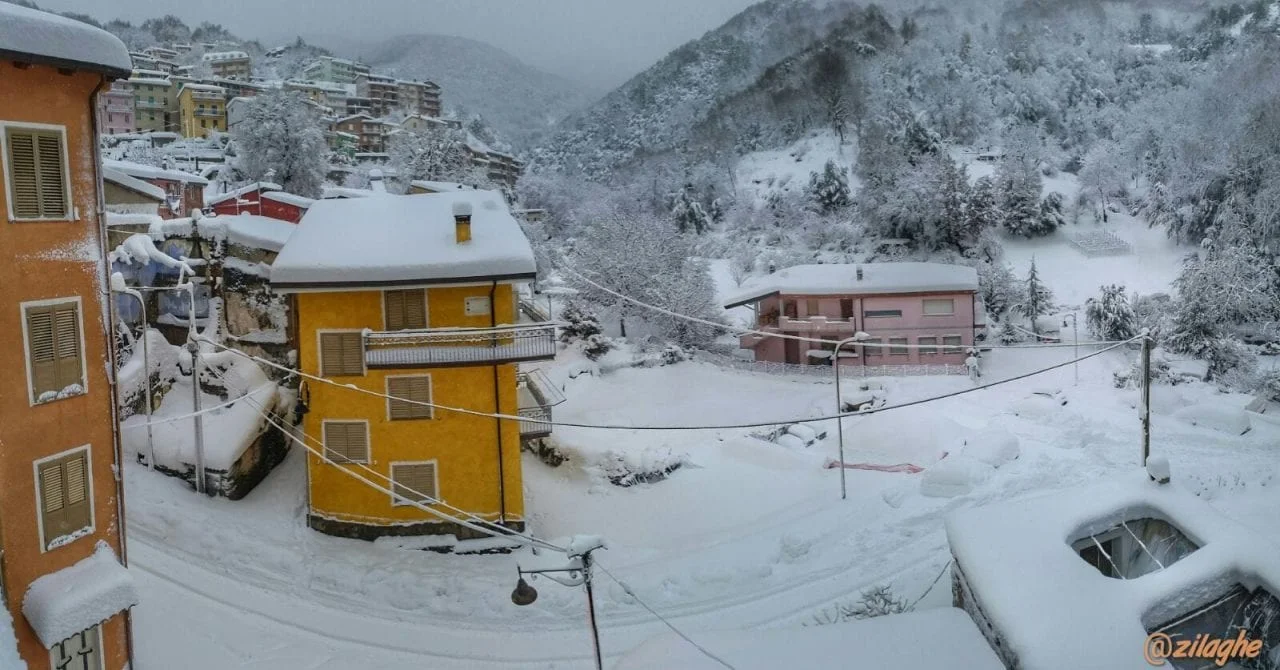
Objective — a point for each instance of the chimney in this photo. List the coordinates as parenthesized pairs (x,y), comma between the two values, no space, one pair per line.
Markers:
(859,273)
(462,221)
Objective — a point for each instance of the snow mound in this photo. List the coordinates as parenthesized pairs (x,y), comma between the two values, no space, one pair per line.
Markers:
(954,476)
(9,644)
(63,603)
(1215,416)
(892,438)
(994,447)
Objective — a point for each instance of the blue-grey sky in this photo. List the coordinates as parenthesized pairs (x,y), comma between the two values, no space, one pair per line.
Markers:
(597,42)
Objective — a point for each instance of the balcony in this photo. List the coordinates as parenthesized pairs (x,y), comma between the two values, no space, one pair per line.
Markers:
(210,113)
(148,104)
(440,347)
(816,326)
(537,395)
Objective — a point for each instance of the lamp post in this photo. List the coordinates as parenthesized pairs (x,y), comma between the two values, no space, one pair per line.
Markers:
(857,337)
(1075,339)
(118,286)
(579,573)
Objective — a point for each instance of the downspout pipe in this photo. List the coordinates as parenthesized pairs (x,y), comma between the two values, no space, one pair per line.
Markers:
(497,409)
(110,348)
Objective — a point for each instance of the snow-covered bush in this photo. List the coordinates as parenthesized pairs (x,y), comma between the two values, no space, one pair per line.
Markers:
(579,324)
(1152,312)
(1110,316)
(829,189)
(647,466)
(874,602)
(998,288)
(1227,355)
(595,346)
(1008,333)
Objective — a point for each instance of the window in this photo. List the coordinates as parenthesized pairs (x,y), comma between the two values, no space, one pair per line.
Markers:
(346,441)
(846,308)
(881,313)
(928,346)
(341,354)
(811,307)
(36,174)
(416,389)
(65,495)
(54,359)
(82,651)
(477,306)
(413,482)
(873,347)
(405,310)
(897,346)
(939,307)
(789,309)
(951,344)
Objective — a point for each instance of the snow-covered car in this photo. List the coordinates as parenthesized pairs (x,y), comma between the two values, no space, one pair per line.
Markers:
(1055,395)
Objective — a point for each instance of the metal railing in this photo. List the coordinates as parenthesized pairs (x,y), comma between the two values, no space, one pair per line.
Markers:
(824,371)
(533,310)
(148,104)
(460,346)
(535,429)
(209,113)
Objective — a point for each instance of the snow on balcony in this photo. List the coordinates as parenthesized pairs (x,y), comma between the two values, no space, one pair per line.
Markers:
(460,346)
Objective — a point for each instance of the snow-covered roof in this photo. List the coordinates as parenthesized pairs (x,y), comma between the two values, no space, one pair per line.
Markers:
(151,172)
(225,55)
(344,192)
(207,88)
(925,640)
(31,35)
(842,279)
(1053,610)
(390,240)
(63,603)
(151,81)
(136,185)
(440,186)
(250,230)
(289,199)
(243,190)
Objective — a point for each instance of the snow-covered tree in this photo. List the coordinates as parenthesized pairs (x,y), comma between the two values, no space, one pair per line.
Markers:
(688,212)
(954,231)
(437,154)
(1008,333)
(1019,194)
(981,211)
(281,136)
(831,82)
(830,188)
(1038,299)
(998,288)
(1232,284)
(1110,315)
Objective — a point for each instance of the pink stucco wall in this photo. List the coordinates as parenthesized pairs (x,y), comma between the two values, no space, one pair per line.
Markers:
(913,324)
(115,111)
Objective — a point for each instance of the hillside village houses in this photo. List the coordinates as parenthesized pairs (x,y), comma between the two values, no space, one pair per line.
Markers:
(65,593)
(116,109)
(229,64)
(340,70)
(202,109)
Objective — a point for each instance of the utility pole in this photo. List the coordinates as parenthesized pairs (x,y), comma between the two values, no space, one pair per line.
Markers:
(835,361)
(1146,397)
(194,348)
(578,571)
(1075,339)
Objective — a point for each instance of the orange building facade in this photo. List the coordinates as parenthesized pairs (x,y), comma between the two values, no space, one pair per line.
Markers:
(61,502)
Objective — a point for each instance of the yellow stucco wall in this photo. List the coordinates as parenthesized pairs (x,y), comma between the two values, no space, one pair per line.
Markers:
(189,121)
(465,447)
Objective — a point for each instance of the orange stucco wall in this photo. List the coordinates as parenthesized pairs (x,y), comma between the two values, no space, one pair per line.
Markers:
(43,260)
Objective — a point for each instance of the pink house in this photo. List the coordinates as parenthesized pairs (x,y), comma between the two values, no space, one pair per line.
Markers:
(115,109)
(922,304)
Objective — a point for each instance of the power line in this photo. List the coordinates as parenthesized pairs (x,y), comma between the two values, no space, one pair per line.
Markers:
(800,338)
(502,533)
(677,631)
(758,424)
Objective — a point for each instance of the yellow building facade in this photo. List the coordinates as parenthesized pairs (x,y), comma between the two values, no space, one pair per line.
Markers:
(444,332)
(202,109)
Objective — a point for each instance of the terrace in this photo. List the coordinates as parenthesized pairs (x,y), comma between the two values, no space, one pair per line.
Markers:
(441,347)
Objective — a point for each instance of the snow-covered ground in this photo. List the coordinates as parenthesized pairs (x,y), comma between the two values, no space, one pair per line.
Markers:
(787,171)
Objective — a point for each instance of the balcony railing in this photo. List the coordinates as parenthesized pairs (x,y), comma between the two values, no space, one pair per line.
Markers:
(212,113)
(816,324)
(537,395)
(460,346)
(148,104)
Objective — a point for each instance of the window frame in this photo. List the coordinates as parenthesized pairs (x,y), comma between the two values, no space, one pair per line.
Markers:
(812,307)
(426,306)
(324,443)
(39,510)
(61,130)
(881,314)
(391,482)
(102,662)
(873,347)
(905,344)
(928,348)
(26,345)
(431,396)
(947,347)
(924,310)
(364,364)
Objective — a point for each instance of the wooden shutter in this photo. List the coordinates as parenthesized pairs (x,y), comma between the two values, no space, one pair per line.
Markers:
(64,495)
(406,309)
(346,441)
(37,179)
(42,343)
(66,328)
(416,389)
(341,354)
(414,482)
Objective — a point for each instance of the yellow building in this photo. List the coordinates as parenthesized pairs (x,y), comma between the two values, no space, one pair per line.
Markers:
(202,109)
(414,297)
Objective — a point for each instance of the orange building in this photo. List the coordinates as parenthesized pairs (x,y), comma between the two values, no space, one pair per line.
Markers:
(62,575)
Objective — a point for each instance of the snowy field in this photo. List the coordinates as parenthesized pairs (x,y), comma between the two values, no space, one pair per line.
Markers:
(786,171)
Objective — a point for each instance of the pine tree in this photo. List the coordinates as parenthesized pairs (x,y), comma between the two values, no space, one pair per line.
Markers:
(955,232)
(1038,300)
(980,211)
(688,212)
(1110,316)
(1008,334)
(830,189)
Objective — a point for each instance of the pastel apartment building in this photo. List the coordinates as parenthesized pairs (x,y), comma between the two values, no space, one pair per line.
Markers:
(419,97)
(229,64)
(116,109)
(63,583)
(932,306)
(340,70)
(371,133)
(152,93)
(182,191)
(202,109)
(419,305)
(382,93)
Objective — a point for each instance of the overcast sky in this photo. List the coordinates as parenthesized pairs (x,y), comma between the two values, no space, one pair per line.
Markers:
(597,42)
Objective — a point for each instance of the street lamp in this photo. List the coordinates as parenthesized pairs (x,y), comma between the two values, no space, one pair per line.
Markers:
(578,573)
(118,286)
(1075,338)
(857,337)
